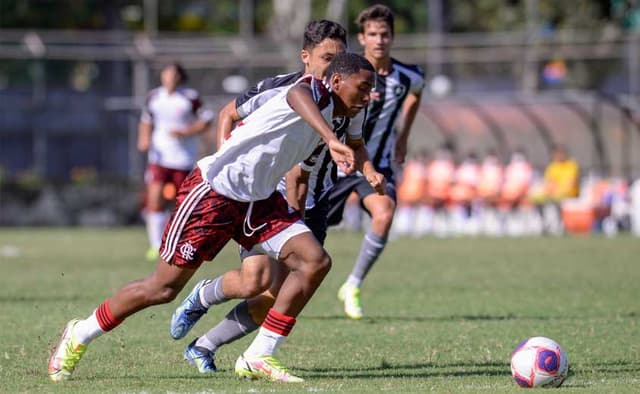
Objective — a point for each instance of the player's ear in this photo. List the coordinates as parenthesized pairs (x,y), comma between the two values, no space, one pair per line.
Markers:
(361,38)
(335,81)
(305,56)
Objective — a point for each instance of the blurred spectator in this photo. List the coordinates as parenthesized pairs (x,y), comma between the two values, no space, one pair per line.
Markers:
(489,184)
(463,195)
(440,173)
(561,181)
(517,181)
(411,191)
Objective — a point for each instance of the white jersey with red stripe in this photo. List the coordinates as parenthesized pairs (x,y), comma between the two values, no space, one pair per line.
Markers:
(173,111)
(265,145)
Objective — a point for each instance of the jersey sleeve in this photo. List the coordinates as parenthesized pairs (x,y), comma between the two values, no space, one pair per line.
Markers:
(199,111)
(146,116)
(417,80)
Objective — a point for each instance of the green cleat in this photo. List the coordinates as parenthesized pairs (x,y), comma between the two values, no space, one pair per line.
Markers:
(350,295)
(264,367)
(66,356)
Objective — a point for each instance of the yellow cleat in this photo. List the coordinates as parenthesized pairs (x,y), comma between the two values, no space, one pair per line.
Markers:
(66,356)
(264,367)
(350,295)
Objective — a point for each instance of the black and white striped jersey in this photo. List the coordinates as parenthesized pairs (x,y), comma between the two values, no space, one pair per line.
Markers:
(322,169)
(259,94)
(323,172)
(380,125)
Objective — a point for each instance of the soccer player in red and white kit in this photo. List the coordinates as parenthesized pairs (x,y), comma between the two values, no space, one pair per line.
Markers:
(231,195)
(171,120)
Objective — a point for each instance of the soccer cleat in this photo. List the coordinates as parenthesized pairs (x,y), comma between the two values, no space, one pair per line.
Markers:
(188,313)
(66,356)
(264,367)
(152,254)
(350,295)
(200,357)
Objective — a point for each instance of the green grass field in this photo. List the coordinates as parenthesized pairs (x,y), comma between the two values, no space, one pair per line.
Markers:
(441,316)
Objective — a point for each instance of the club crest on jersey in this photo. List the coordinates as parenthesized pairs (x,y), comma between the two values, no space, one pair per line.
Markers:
(399,90)
(187,251)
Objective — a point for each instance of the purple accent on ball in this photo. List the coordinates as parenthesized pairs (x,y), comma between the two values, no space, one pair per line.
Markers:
(522,381)
(520,346)
(548,361)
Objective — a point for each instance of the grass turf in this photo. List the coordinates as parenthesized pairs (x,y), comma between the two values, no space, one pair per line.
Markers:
(440,315)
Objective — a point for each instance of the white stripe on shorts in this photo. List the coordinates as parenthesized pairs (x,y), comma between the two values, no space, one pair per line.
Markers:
(181,217)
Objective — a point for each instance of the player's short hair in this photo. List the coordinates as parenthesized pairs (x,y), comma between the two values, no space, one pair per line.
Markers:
(348,63)
(182,73)
(318,31)
(377,12)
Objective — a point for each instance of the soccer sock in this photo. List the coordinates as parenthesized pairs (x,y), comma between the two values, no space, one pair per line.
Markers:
(156,220)
(212,294)
(371,248)
(274,330)
(235,325)
(99,322)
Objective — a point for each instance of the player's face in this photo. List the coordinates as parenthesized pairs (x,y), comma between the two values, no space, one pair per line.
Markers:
(317,59)
(170,78)
(352,92)
(376,40)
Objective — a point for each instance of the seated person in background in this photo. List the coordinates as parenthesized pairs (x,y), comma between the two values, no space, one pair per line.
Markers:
(561,181)
(518,176)
(489,185)
(410,194)
(561,177)
(440,173)
(463,194)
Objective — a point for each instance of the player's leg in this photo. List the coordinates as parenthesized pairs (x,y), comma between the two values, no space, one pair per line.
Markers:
(381,209)
(242,319)
(308,263)
(156,216)
(253,278)
(183,246)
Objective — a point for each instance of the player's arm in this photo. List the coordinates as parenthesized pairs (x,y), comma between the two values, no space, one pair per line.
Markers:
(301,100)
(144,135)
(297,182)
(408,115)
(227,117)
(365,166)
(194,128)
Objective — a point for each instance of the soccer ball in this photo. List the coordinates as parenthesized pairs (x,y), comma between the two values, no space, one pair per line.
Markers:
(539,362)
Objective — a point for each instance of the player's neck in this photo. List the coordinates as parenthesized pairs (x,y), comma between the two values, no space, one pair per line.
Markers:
(382,66)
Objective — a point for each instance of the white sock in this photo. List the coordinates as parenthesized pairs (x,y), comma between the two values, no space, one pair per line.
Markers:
(88,329)
(155,227)
(265,344)
(354,281)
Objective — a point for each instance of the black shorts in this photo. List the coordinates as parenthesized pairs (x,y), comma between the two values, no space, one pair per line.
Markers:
(316,219)
(343,188)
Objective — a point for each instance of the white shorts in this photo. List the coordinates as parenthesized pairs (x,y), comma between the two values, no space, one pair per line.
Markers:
(272,246)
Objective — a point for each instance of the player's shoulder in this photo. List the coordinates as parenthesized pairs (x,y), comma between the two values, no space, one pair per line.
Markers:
(154,93)
(278,81)
(409,69)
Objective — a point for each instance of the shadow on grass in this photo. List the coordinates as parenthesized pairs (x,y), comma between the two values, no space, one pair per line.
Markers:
(376,319)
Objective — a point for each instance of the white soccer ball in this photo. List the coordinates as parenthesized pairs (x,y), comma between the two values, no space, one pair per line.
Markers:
(539,362)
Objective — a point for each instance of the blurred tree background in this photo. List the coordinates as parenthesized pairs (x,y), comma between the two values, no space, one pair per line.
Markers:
(221,16)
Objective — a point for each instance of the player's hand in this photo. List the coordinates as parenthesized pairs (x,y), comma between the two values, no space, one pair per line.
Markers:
(374,96)
(178,133)
(343,156)
(377,181)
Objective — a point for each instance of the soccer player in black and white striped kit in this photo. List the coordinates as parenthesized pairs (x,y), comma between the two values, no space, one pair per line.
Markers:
(391,112)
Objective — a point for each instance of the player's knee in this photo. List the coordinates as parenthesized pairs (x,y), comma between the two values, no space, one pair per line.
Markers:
(320,264)
(255,285)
